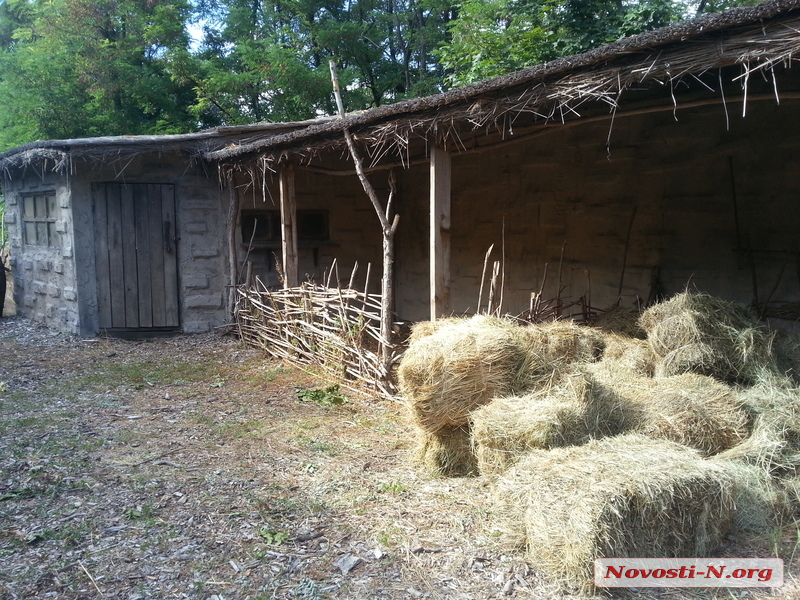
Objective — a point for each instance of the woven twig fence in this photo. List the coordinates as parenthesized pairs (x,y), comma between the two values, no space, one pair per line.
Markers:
(336,330)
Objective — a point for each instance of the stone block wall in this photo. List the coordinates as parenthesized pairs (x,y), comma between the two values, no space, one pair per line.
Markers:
(45,283)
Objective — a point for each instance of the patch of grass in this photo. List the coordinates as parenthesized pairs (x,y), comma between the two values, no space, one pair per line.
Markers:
(327,396)
(143,373)
(317,445)
(239,429)
(392,487)
(143,512)
(272,537)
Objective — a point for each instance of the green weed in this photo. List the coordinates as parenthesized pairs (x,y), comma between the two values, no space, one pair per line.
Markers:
(329,396)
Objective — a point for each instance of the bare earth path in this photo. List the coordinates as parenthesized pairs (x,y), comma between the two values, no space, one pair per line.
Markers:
(189,468)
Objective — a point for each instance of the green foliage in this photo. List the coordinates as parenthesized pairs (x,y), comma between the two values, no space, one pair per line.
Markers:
(73,68)
(78,68)
(272,537)
(329,396)
(494,37)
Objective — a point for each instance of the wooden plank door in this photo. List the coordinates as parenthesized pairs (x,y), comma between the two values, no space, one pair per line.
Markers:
(137,269)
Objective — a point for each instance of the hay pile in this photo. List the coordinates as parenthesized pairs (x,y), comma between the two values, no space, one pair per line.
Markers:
(572,412)
(622,496)
(696,333)
(458,365)
(605,444)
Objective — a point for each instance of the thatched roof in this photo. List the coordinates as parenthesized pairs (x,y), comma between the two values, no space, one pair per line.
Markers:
(755,38)
(60,153)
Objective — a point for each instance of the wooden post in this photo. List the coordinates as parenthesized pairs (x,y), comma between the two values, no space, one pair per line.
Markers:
(291,276)
(233,257)
(440,233)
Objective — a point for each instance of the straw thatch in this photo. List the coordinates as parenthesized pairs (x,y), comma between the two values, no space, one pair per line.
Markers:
(701,334)
(447,452)
(570,413)
(463,364)
(616,497)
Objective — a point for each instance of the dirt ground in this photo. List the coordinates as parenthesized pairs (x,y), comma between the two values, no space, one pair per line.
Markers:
(191,467)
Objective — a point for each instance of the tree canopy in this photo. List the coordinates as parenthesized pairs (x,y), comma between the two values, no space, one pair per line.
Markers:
(77,68)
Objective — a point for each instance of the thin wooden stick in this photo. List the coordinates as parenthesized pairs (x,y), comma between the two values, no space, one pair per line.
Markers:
(483,277)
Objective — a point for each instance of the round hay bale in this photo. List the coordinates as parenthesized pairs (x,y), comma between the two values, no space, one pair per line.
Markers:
(700,334)
(447,452)
(571,413)
(615,497)
(620,320)
(460,366)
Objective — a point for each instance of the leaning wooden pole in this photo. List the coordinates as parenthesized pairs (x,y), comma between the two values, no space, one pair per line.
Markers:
(388,228)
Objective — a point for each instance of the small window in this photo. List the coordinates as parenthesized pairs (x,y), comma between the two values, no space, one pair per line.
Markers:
(264,227)
(39,214)
(312,226)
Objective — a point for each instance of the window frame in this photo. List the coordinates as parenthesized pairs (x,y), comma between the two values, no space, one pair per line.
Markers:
(45,234)
(304,238)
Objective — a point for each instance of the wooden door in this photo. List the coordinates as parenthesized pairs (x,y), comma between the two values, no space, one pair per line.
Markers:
(137,268)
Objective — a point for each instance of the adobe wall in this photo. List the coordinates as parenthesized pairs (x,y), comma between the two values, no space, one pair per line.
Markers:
(678,202)
(45,283)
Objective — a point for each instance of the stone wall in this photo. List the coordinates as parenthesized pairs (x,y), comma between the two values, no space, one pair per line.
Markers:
(45,285)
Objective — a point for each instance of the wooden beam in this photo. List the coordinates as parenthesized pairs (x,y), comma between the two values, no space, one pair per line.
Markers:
(440,233)
(291,275)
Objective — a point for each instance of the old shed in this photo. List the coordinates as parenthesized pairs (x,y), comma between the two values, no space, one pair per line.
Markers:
(621,175)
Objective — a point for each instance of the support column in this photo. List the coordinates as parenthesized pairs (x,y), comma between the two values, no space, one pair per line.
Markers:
(289,227)
(440,233)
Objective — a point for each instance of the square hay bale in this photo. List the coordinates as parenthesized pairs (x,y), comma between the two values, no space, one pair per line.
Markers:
(762,502)
(774,444)
(701,334)
(463,364)
(615,497)
(446,452)
(690,409)
(458,367)
(620,320)
(631,353)
(570,413)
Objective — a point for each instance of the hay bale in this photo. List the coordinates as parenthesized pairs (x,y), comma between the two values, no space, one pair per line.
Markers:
(616,497)
(423,329)
(463,364)
(460,366)
(571,413)
(761,502)
(700,334)
(619,320)
(635,354)
(447,452)
(694,410)
(774,443)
